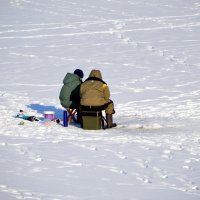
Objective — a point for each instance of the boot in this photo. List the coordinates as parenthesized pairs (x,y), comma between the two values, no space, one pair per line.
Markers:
(109,120)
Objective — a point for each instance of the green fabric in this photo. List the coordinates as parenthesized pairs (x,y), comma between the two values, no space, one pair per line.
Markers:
(92,122)
(70,91)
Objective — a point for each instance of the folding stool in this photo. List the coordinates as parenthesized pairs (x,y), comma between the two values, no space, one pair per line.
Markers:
(71,115)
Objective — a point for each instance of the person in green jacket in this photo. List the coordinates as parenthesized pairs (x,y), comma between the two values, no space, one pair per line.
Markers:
(95,95)
(70,91)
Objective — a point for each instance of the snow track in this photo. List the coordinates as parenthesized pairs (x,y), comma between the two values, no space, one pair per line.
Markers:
(148,156)
(148,53)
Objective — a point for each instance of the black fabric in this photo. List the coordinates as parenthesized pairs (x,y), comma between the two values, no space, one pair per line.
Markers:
(32,118)
(95,108)
(102,122)
(95,79)
(79,72)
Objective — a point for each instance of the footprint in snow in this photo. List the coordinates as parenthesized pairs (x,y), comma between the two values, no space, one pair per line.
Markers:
(118,171)
(145,179)
(56,141)
(126,40)
(187,161)
(92,148)
(164,176)
(195,187)
(3,144)
(167,154)
(38,159)
(3,186)
(150,48)
(121,155)
(119,26)
(186,167)
(161,173)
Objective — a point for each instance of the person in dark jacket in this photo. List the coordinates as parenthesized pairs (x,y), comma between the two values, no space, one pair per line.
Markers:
(70,91)
(95,95)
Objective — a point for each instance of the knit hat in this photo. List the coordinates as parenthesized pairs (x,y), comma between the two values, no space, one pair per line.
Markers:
(79,72)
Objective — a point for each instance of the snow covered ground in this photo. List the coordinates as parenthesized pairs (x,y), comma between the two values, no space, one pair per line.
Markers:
(148,52)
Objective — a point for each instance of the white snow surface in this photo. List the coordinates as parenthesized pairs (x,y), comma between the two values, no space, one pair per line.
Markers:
(148,52)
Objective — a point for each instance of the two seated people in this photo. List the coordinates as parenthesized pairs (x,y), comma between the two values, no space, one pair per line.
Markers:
(92,94)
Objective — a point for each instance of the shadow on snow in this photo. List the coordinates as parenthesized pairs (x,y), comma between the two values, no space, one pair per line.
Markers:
(42,108)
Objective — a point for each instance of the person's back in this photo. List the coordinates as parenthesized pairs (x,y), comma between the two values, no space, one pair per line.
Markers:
(94,91)
(70,91)
(95,95)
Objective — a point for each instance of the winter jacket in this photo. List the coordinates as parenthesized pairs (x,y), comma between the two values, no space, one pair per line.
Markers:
(70,91)
(94,91)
